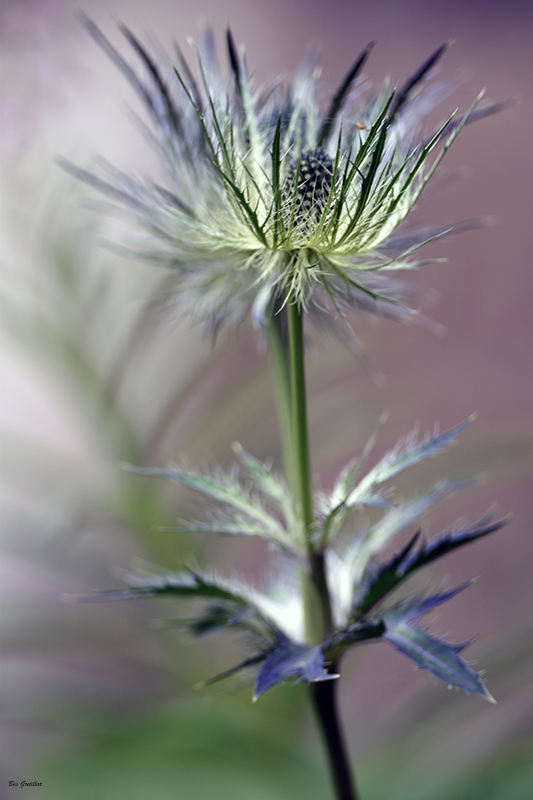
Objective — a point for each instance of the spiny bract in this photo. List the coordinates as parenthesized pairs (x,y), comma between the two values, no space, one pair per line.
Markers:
(269,196)
(360,574)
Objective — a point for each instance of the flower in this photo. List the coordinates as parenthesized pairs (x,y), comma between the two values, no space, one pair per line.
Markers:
(271,197)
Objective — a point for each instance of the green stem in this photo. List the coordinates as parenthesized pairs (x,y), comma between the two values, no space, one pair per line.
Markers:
(319,621)
(278,342)
(279,355)
(304,487)
(288,361)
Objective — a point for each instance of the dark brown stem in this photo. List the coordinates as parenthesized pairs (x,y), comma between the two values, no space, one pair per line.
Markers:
(324,702)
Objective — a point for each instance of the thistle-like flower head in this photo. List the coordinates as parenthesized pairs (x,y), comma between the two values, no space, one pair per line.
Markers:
(271,195)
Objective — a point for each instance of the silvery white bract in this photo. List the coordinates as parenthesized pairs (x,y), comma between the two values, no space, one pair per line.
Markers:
(254,502)
(272,196)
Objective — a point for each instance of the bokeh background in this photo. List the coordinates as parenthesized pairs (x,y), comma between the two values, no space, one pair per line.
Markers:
(95,701)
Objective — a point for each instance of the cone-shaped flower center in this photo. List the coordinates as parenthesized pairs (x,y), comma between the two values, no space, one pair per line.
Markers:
(308,185)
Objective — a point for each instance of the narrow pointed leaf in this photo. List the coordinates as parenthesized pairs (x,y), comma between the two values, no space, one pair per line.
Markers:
(215,618)
(180,584)
(440,658)
(184,584)
(271,486)
(362,550)
(414,80)
(412,241)
(291,660)
(334,506)
(368,181)
(236,527)
(229,528)
(224,488)
(475,115)
(248,608)
(381,580)
(95,32)
(172,113)
(233,58)
(416,608)
(276,181)
(246,664)
(446,543)
(405,454)
(225,616)
(340,96)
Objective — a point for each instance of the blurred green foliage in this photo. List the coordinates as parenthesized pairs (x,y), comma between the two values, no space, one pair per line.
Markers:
(231,750)
(226,749)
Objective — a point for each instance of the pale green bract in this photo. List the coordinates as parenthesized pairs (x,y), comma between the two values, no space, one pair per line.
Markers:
(271,196)
(253,501)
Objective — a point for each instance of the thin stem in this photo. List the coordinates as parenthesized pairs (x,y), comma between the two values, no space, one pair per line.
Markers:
(278,346)
(299,418)
(288,361)
(280,355)
(324,702)
(323,626)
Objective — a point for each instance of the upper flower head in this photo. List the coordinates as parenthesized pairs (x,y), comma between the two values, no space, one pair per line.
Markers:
(271,195)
